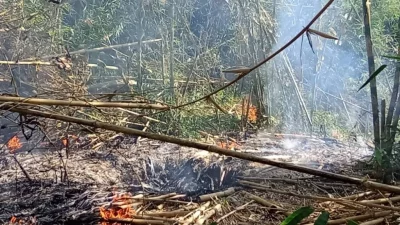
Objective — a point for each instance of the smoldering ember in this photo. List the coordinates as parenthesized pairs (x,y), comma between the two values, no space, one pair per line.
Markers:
(199,112)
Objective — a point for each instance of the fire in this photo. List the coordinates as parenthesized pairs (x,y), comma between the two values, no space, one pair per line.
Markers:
(14,144)
(13,219)
(246,107)
(31,220)
(228,145)
(66,141)
(119,208)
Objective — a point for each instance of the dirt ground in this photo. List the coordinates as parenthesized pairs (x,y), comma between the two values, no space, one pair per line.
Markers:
(45,185)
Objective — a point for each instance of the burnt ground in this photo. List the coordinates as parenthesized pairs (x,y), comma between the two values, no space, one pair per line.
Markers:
(63,190)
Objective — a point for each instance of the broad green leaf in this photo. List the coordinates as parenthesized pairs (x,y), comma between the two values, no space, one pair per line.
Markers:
(322,219)
(373,75)
(214,223)
(392,57)
(298,216)
(351,222)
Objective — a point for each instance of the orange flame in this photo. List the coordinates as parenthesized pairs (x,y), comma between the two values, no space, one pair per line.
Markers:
(65,140)
(228,145)
(241,109)
(14,144)
(13,219)
(117,212)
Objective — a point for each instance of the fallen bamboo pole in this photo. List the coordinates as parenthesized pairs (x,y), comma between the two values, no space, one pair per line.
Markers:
(207,147)
(43,101)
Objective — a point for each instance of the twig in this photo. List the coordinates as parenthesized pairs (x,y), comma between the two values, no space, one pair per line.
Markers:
(168,214)
(209,214)
(234,211)
(265,188)
(383,200)
(153,218)
(266,203)
(374,222)
(22,168)
(195,214)
(137,114)
(360,195)
(225,193)
(360,217)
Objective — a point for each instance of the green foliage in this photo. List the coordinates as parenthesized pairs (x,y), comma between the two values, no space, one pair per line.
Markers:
(297,216)
(392,57)
(322,219)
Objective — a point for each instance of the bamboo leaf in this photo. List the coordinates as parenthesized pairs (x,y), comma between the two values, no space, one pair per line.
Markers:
(373,75)
(309,41)
(322,219)
(351,222)
(324,35)
(392,57)
(298,216)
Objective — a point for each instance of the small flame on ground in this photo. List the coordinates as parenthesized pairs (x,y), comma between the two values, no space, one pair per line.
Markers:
(228,145)
(14,144)
(13,219)
(29,221)
(117,212)
(66,141)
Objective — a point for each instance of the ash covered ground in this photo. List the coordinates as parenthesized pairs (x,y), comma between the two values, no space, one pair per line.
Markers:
(62,189)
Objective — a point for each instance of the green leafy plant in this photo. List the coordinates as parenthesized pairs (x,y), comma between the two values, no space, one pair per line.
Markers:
(322,219)
(297,216)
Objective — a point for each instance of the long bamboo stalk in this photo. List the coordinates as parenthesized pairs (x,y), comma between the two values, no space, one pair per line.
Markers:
(207,147)
(171,49)
(371,68)
(42,101)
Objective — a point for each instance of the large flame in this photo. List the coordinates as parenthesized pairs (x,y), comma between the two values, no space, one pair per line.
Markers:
(14,144)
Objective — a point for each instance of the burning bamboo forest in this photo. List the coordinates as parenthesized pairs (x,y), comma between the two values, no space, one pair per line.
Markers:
(191,112)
